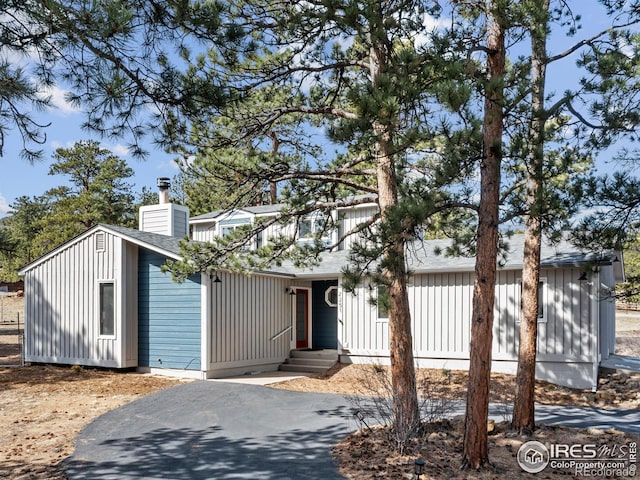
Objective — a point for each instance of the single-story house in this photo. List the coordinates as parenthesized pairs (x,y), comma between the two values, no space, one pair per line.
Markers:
(102,299)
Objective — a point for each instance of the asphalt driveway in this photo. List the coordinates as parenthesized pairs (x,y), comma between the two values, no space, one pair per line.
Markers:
(214,430)
(218,430)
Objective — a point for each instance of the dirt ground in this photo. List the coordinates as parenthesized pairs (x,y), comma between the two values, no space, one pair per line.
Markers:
(42,408)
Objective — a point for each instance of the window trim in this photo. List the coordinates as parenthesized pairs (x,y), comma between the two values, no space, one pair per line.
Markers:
(544,291)
(327,296)
(99,308)
(314,219)
(382,314)
(233,224)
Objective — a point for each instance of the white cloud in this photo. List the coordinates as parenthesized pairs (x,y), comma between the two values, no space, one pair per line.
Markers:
(432,23)
(56,144)
(4,205)
(167,164)
(59,103)
(120,150)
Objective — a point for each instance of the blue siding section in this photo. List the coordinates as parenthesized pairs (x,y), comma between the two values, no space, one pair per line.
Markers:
(169,316)
(324,317)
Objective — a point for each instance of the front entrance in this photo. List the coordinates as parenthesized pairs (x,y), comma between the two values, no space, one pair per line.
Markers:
(302,318)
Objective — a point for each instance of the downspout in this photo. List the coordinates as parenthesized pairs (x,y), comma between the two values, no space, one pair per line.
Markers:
(595,333)
(206,309)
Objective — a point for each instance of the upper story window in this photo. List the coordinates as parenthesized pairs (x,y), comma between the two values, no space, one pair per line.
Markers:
(313,226)
(230,226)
(226,230)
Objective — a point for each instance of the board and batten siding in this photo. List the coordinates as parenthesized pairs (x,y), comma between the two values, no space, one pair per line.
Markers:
(168,316)
(61,304)
(350,219)
(246,313)
(164,219)
(441,312)
(203,232)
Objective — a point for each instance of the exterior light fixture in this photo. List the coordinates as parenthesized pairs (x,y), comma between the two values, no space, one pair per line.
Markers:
(616,259)
(582,277)
(418,467)
(290,291)
(217,279)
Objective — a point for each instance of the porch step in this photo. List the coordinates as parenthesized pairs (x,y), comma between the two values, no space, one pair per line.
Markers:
(309,361)
(317,354)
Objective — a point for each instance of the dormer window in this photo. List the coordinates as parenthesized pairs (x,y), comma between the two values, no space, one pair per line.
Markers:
(313,226)
(227,230)
(230,226)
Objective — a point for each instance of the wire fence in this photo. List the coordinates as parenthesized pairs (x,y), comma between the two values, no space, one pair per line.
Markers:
(11,329)
(633,306)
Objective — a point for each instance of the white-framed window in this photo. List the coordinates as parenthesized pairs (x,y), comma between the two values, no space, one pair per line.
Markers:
(226,230)
(542,300)
(106,308)
(382,303)
(227,227)
(312,226)
(331,296)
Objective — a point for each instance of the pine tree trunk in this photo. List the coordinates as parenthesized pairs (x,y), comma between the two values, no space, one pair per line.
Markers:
(524,401)
(475,442)
(406,414)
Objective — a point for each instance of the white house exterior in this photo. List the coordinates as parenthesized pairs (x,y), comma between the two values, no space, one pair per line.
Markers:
(102,299)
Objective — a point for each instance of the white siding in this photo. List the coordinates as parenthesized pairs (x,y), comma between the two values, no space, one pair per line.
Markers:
(203,232)
(130,305)
(246,312)
(61,305)
(206,232)
(164,219)
(441,312)
(350,219)
(606,300)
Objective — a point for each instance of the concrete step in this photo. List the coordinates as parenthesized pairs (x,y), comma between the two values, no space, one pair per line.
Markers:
(319,354)
(309,361)
(318,362)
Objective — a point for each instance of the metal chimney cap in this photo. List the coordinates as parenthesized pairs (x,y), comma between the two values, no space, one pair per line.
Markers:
(164,182)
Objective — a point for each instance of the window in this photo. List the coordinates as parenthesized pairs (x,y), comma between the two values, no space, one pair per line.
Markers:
(383,302)
(331,296)
(235,226)
(229,229)
(311,227)
(107,309)
(542,298)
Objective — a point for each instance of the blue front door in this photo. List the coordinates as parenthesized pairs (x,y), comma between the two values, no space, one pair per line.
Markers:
(325,314)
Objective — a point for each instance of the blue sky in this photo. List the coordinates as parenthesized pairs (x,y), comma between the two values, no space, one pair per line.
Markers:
(18,177)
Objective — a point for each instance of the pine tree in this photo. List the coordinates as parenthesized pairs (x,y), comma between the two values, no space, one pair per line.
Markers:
(475,442)
(97,193)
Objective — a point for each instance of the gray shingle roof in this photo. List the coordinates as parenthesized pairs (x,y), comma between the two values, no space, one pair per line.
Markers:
(422,258)
(154,240)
